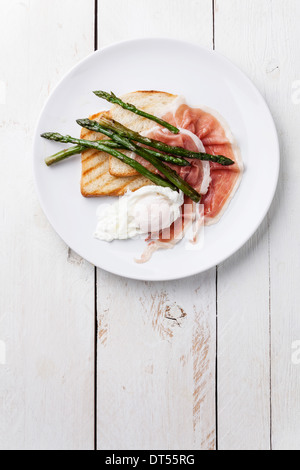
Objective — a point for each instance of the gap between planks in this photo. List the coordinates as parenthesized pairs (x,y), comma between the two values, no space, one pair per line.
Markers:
(216,366)
(214,23)
(96,12)
(270,332)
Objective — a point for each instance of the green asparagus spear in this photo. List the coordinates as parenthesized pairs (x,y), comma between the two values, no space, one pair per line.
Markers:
(58,157)
(164,169)
(158,164)
(112,98)
(167,158)
(179,151)
(63,154)
(94,126)
(157,179)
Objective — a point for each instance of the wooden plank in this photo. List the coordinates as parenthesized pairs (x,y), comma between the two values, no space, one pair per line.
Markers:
(243,34)
(47,292)
(156,348)
(189,20)
(281,73)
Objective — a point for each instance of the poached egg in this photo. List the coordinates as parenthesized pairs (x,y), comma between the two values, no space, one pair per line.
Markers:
(146,211)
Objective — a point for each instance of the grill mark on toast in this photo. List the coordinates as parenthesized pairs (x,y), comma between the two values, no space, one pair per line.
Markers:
(86,133)
(121,188)
(96,179)
(91,135)
(89,170)
(85,156)
(124,185)
(91,155)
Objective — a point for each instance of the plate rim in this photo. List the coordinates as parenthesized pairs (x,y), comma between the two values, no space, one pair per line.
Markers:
(222,57)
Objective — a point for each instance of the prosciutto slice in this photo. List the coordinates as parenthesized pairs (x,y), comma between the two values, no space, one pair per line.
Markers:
(198,174)
(217,139)
(202,130)
(168,238)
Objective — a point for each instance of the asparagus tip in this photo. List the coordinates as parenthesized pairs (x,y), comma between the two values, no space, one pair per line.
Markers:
(80,122)
(52,136)
(228,161)
(101,93)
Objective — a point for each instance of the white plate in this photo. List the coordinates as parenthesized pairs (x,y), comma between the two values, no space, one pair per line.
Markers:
(204,78)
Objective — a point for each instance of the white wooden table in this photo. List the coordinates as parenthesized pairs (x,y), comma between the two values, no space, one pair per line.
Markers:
(204,363)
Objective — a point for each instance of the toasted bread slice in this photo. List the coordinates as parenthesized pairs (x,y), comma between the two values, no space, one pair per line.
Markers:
(153,102)
(96,179)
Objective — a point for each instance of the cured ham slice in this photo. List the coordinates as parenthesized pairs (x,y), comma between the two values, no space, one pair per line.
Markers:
(217,139)
(202,130)
(198,174)
(168,238)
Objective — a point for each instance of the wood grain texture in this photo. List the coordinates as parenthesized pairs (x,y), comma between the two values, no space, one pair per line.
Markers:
(157,344)
(264,42)
(156,358)
(280,74)
(47,292)
(189,20)
(243,281)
